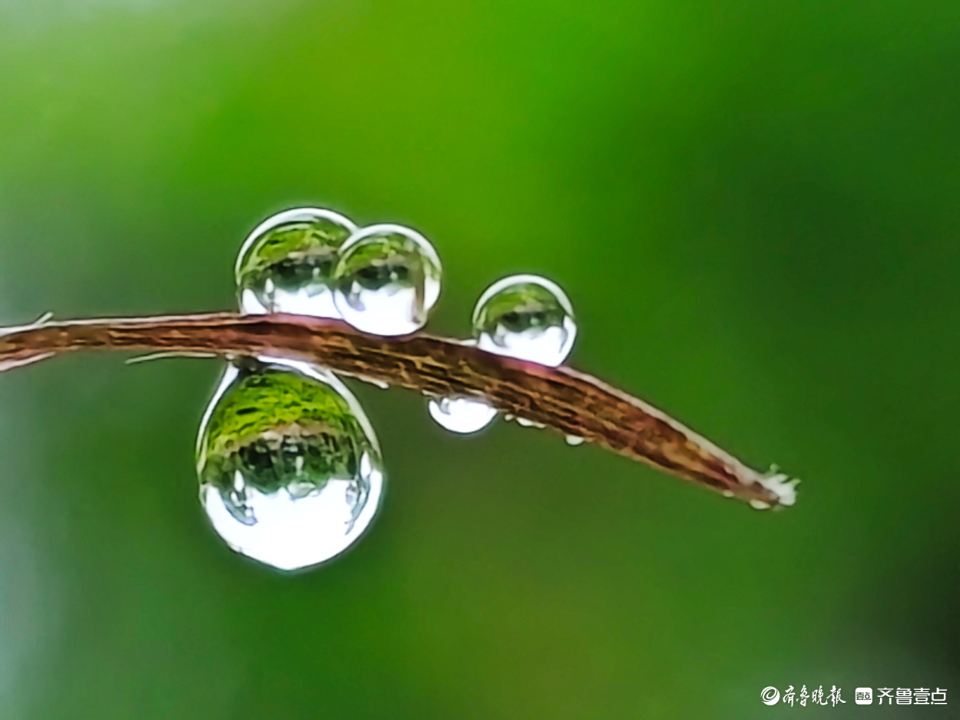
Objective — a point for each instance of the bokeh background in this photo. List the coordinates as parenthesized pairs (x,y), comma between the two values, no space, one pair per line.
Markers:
(754,207)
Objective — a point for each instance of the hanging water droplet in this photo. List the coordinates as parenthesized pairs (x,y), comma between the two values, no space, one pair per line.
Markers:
(290,469)
(387,280)
(461,415)
(526,317)
(523,422)
(287,262)
(574,440)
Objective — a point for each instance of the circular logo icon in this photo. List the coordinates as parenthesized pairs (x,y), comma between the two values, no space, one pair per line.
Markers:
(770,695)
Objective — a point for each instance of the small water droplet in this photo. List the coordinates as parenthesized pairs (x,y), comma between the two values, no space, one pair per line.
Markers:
(526,317)
(287,262)
(290,469)
(387,280)
(728,493)
(574,440)
(461,415)
(523,422)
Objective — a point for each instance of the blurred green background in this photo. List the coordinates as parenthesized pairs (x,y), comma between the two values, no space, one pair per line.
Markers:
(754,207)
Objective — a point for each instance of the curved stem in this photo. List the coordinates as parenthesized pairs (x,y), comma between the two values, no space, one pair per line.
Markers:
(570,402)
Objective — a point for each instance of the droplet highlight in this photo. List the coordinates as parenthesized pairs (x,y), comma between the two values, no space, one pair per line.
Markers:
(527,317)
(461,415)
(290,469)
(387,280)
(286,264)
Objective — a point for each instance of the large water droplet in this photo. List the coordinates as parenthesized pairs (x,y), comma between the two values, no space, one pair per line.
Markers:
(387,280)
(290,469)
(287,262)
(526,317)
(461,415)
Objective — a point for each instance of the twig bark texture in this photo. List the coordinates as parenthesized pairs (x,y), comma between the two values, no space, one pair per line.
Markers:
(570,402)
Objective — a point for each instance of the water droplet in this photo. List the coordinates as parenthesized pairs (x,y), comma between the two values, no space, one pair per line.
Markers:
(290,469)
(387,280)
(574,440)
(287,262)
(526,317)
(458,414)
(461,415)
(523,422)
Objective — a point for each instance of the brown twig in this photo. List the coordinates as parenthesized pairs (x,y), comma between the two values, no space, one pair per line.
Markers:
(573,403)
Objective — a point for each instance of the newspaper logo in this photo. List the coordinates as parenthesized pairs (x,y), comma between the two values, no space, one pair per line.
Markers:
(770,695)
